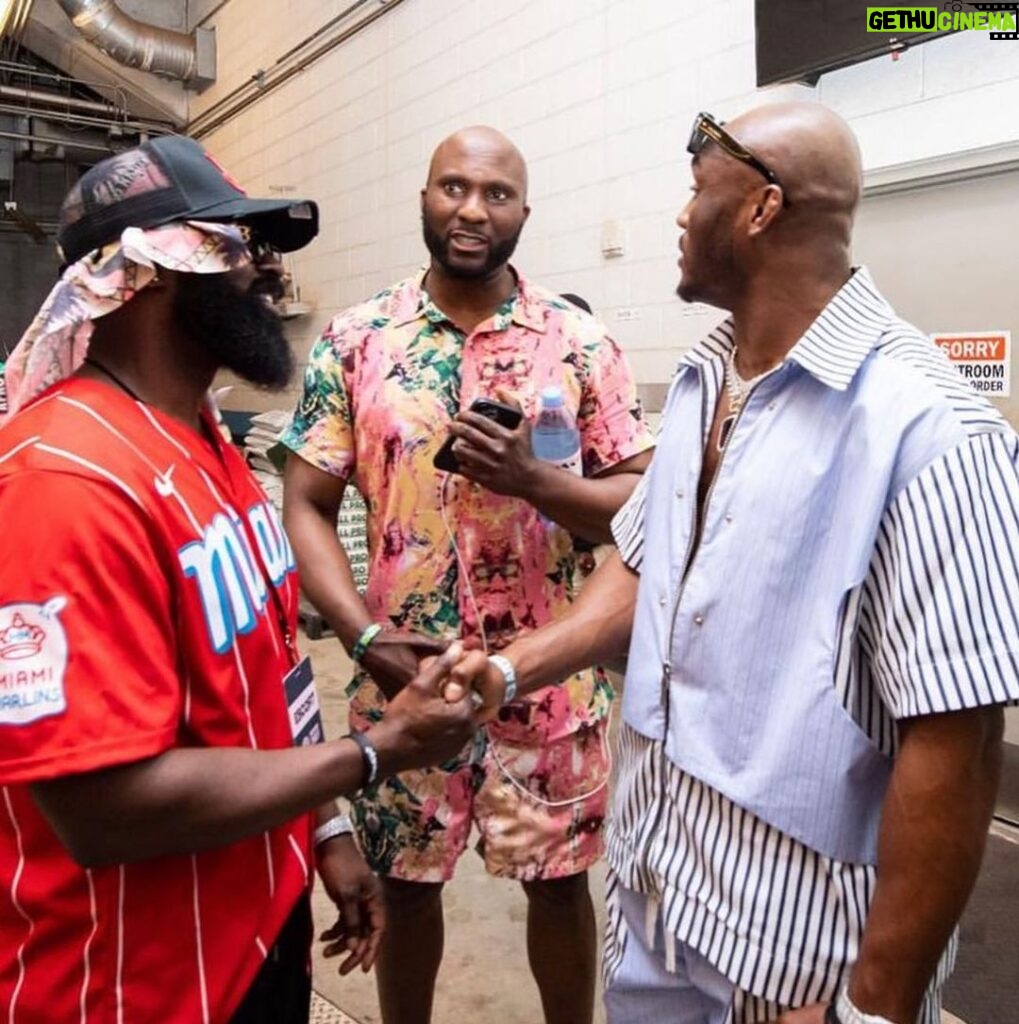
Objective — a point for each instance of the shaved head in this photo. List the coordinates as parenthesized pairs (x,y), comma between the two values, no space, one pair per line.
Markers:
(742,233)
(481,142)
(474,205)
(811,148)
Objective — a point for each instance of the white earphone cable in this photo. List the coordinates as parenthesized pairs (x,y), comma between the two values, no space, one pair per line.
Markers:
(492,746)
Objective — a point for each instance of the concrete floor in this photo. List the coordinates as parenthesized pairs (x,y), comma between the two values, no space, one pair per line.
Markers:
(484,974)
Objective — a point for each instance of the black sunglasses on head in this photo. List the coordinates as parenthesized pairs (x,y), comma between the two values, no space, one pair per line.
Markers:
(706,129)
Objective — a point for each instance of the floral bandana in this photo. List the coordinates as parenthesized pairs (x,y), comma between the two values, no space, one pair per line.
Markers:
(57,340)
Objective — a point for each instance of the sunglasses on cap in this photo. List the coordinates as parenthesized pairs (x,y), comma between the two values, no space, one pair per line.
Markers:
(706,129)
(262,251)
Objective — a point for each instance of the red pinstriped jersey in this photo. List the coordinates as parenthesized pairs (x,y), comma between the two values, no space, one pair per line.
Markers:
(147,600)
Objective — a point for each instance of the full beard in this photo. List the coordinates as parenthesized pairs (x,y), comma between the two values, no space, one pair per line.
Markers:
(236,328)
(498,255)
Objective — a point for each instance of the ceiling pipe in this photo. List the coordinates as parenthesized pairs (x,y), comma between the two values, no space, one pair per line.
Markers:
(265,81)
(188,58)
(56,99)
(59,141)
(115,127)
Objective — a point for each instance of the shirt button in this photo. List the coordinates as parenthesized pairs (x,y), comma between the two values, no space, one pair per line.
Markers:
(728,517)
(699,620)
(679,494)
(771,405)
(663,600)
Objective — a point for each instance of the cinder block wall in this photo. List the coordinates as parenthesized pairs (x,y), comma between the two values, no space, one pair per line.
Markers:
(599,95)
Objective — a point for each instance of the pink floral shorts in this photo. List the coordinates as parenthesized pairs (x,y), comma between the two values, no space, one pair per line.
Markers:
(539,810)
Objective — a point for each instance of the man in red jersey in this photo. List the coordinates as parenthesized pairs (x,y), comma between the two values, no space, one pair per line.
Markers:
(164,794)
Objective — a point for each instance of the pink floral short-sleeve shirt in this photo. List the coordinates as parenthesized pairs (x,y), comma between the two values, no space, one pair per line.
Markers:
(382,385)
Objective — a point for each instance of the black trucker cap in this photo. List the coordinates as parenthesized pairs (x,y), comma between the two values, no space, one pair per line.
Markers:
(166,179)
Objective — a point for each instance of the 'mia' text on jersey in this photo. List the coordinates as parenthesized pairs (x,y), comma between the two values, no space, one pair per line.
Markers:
(229,575)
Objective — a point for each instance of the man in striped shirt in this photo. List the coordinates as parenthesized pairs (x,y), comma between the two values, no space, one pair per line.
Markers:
(823,634)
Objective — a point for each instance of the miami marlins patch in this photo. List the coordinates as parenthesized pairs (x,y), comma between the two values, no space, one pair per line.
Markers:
(33,660)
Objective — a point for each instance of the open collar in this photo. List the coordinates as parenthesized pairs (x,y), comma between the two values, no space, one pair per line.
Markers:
(834,346)
(522,307)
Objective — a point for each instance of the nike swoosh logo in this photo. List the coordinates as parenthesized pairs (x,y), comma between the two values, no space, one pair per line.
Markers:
(164,483)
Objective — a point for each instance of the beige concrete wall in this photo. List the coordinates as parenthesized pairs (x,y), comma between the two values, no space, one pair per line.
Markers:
(599,94)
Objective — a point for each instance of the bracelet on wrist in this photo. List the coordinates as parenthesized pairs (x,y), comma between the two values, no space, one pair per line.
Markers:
(364,641)
(845,1012)
(509,675)
(337,825)
(369,758)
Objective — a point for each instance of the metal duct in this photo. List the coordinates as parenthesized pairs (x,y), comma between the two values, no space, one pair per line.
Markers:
(187,58)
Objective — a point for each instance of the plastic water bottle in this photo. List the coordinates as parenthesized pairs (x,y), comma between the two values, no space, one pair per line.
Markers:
(555,437)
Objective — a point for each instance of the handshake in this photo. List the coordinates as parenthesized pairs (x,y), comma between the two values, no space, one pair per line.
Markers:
(432,718)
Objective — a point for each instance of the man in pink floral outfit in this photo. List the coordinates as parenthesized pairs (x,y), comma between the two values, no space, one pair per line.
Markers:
(387,382)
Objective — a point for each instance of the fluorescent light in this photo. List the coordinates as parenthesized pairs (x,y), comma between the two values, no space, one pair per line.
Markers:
(5,12)
(13,15)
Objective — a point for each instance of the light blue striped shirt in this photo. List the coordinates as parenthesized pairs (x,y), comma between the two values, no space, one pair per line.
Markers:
(859,563)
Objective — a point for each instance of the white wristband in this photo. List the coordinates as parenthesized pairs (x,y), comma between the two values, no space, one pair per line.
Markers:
(338,825)
(847,1013)
(509,675)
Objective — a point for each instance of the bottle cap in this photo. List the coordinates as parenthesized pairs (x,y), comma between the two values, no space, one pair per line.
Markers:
(552,397)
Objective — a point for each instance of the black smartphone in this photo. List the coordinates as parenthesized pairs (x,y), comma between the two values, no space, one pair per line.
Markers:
(505,415)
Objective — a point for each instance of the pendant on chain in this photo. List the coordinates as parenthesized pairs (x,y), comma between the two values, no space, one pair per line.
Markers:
(725,430)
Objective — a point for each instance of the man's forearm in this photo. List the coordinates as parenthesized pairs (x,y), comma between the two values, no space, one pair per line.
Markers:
(596,628)
(187,799)
(326,576)
(191,799)
(933,830)
(583,505)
